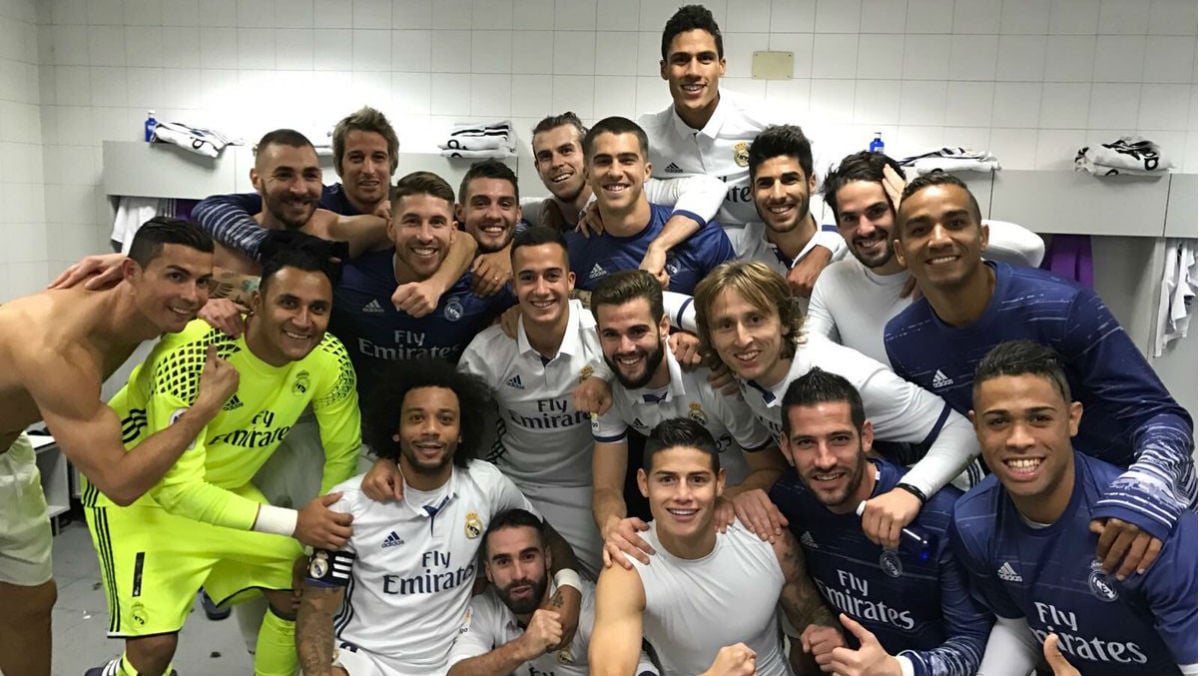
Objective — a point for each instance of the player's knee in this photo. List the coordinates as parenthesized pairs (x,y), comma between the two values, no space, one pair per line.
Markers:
(152,654)
(282,606)
(25,605)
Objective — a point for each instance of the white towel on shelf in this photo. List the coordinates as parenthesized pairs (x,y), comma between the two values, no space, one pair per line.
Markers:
(494,140)
(1127,155)
(1177,294)
(951,160)
(200,141)
(132,212)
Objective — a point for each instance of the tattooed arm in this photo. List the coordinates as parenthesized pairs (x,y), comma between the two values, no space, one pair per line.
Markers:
(314,627)
(800,599)
(566,600)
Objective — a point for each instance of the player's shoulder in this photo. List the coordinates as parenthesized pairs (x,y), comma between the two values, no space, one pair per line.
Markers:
(975,513)
(492,345)
(353,497)
(484,475)
(657,121)
(330,352)
(747,112)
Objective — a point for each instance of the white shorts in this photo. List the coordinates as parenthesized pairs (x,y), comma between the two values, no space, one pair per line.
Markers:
(25,537)
(569,510)
(359,662)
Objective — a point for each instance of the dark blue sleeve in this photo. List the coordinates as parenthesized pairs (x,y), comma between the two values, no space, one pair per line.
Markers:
(721,249)
(229,219)
(967,625)
(1161,482)
(1170,588)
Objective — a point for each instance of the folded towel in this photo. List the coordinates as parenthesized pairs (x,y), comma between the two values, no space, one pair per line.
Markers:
(475,137)
(1127,155)
(950,160)
(133,212)
(495,154)
(200,141)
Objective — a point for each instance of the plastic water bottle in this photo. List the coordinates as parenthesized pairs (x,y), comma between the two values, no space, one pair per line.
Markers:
(151,123)
(876,143)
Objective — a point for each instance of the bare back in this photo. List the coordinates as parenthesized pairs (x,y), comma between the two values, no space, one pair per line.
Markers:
(58,338)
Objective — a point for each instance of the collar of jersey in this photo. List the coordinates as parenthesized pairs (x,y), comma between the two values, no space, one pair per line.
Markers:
(451,494)
(570,345)
(712,129)
(675,387)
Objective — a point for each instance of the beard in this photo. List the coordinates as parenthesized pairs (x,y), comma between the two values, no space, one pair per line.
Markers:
(653,359)
(528,605)
(801,214)
(278,210)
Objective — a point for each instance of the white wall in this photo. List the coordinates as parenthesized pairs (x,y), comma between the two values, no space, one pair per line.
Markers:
(22,220)
(1031,79)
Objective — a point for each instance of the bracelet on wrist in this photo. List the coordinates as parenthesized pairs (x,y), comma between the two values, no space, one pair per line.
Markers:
(909,488)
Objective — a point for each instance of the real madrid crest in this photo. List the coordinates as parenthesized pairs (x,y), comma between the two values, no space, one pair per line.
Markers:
(473,527)
(301,384)
(318,567)
(889,562)
(741,153)
(696,412)
(1101,586)
(453,311)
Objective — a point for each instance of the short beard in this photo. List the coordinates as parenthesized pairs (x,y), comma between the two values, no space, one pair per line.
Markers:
(529,605)
(653,359)
(801,214)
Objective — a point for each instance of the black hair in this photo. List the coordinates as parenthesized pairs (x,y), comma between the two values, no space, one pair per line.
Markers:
(624,286)
(299,257)
(680,433)
(940,178)
(781,139)
(514,518)
(149,240)
(860,166)
(615,125)
(821,387)
(536,235)
(690,18)
(282,137)
(488,169)
(381,411)
(1022,357)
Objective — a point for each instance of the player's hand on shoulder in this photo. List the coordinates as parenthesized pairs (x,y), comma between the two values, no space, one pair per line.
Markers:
(218,382)
(884,516)
(490,272)
(593,395)
(621,539)
(733,660)
(722,380)
(590,221)
(543,633)
(685,346)
(383,482)
(319,526)
(101,271)
(509,320)
(1055,658)
(803,275)
(225,315)
(756,512)
(1124,548)
(869,660)
(819,641)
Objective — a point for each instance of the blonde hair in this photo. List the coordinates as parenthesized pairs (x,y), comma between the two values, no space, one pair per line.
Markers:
(762,287)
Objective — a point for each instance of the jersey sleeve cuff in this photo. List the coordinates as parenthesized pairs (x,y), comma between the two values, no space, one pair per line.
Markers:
(1156,524)
(688,214)
(601,439)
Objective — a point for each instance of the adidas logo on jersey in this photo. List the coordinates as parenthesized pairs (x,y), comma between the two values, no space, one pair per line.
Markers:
(807,540)
(392,540)
(940,380)
(373,308)
(673,168)
(515,382)
(1008,574)
(597,272)
(233,404)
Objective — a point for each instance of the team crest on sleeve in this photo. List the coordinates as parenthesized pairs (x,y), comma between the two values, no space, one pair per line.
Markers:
(318,567)
(301,386)
(179,414)
(1100,584)
(741,153)
(696,412)
(454,310)
(474,526)
(889,562)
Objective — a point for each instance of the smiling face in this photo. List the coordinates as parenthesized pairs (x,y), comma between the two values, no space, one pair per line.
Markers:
(782,192)
(632,341)
(290,315)
(829,453)
(749,339)
(288,179)
(682,489)
(940,240)
(617,170)
(693,71)
(558,155)
(516,565)
(172,287)
(490,212)
(429,432)
(1025,427)
(543,282)
(366,169)
(421,229)
(866,221)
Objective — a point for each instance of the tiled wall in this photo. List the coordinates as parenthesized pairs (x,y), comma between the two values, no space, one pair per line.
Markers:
(23,235)
(1032,80)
